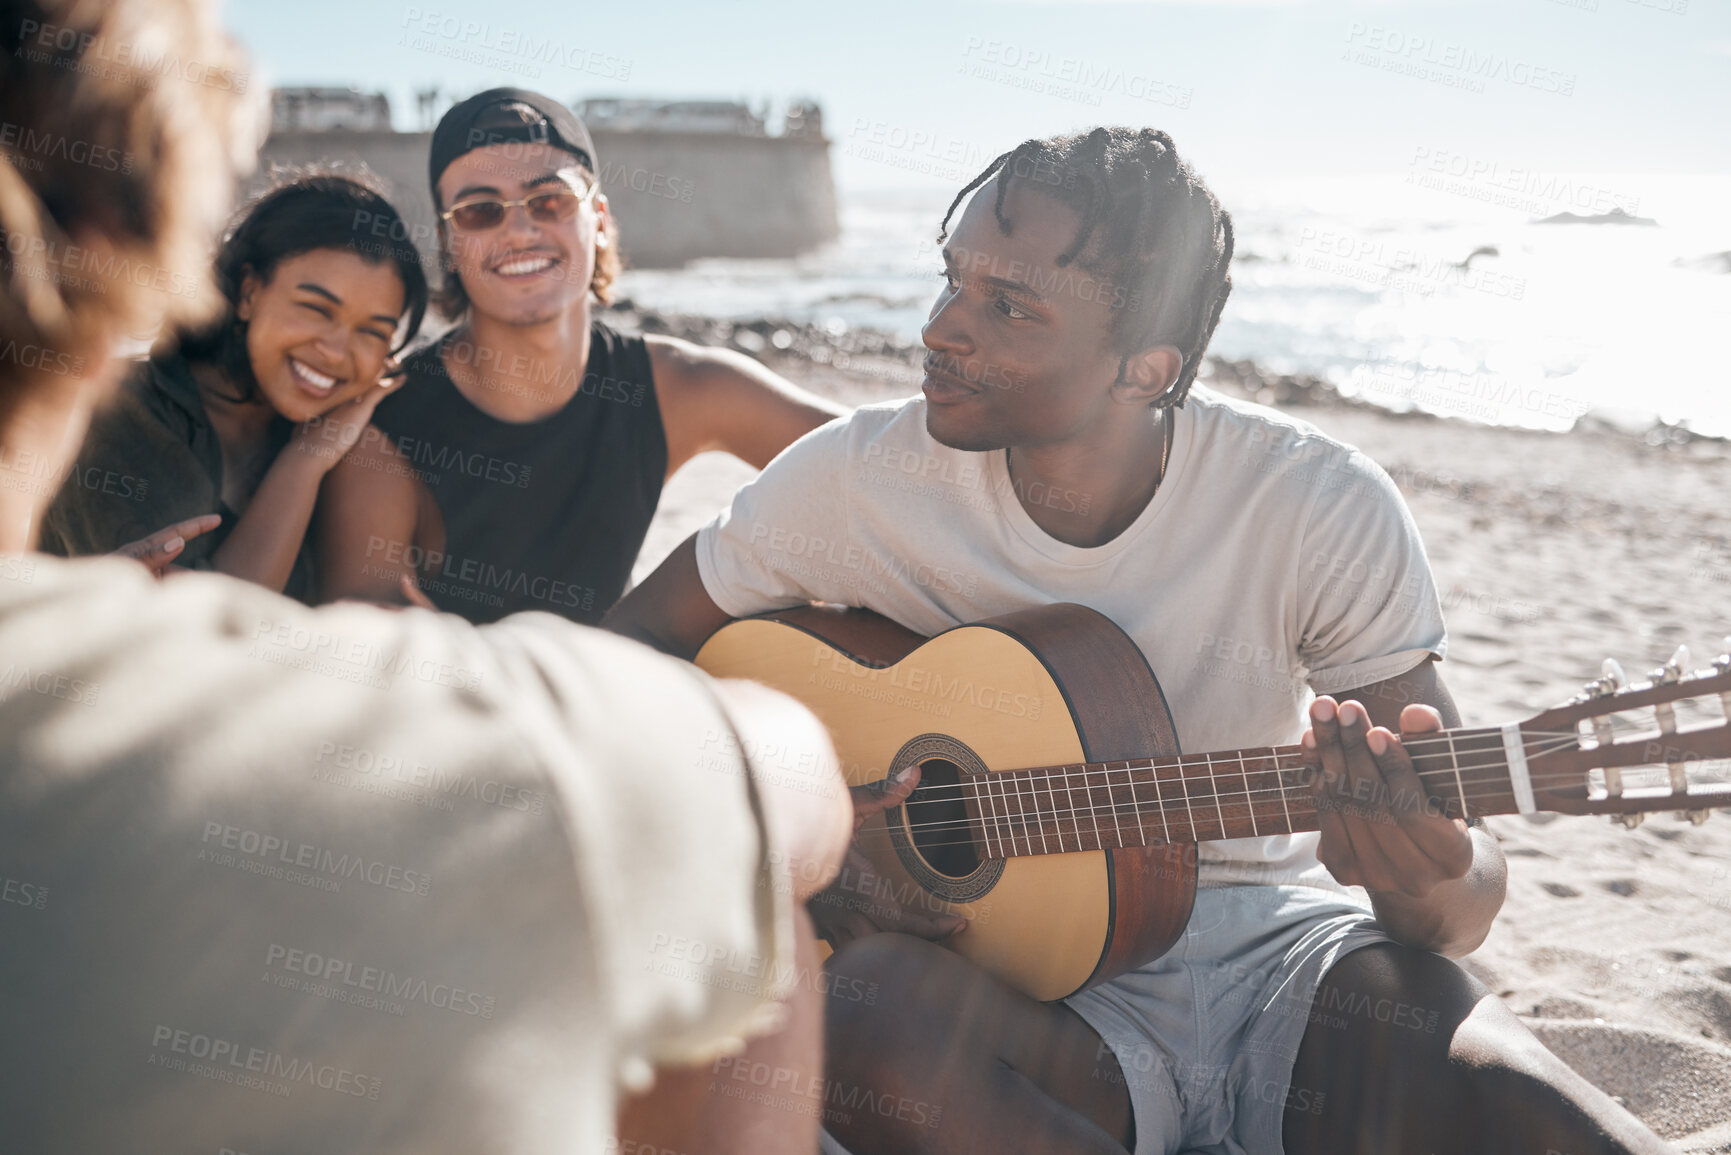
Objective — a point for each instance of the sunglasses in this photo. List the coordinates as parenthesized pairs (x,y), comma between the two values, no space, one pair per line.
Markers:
(551,207)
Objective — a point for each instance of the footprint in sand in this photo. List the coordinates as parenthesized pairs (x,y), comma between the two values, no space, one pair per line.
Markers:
(1559,890)
(1621,886)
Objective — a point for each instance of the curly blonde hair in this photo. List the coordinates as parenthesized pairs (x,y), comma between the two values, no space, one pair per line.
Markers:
(125,126)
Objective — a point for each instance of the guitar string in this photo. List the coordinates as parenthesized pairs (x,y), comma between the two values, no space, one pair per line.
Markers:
(1492,738)
(1135,808)
(946,793)
(1189,761)
(1023,837)
(1193,837)
(1195,834)
(1087,778)
(1250,796)
(1234,798)
(1532,740)
(1028,829)
(1247,797)
(1480,790)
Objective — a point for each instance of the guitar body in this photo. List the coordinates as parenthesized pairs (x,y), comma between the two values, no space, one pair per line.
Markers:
(1056,812)
(1052,685)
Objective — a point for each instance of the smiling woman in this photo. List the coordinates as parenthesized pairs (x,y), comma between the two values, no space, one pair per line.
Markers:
(212,455)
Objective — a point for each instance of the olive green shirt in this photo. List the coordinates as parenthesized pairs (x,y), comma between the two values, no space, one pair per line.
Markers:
(151,459)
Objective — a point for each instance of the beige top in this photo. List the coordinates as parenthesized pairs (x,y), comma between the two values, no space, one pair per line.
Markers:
(280,880)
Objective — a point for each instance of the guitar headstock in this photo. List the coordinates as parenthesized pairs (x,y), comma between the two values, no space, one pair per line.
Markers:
(1625,749)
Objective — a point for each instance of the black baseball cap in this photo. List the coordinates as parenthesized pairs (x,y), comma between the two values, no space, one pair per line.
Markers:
(506,116)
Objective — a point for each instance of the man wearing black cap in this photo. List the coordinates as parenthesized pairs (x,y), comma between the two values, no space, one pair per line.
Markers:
(522,461)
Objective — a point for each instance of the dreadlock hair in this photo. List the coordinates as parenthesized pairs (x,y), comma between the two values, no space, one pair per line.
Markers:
(1149,224)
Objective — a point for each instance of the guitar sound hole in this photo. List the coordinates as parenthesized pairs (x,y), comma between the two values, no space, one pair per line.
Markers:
(937,820)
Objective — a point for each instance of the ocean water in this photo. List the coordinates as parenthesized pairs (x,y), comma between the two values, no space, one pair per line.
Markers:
(1366,281)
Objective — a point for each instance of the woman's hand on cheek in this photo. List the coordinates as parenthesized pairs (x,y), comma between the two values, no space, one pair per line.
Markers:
(327,437)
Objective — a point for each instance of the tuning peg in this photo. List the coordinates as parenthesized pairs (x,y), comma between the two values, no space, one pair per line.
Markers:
(1612,674)
(1631,820)
(1672,670)
(1611,680)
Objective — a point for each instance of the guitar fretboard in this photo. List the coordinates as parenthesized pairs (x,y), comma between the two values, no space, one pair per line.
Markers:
(1197,798)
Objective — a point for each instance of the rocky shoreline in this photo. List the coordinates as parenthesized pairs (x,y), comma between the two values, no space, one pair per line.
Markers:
(861,365)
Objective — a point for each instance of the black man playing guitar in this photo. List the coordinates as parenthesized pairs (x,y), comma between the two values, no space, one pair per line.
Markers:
(1264,570)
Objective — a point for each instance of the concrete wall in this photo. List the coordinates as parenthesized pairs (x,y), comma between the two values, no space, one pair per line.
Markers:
(678,196)
(399,157)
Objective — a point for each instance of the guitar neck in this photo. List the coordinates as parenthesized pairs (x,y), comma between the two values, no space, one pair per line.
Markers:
(1200,797)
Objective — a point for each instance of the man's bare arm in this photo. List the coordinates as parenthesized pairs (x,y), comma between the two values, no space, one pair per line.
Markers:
(1434,882)
(670,610)
(366,522)
(719,399)
(1421,685)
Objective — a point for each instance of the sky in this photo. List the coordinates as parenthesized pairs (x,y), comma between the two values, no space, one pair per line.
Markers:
(915,93)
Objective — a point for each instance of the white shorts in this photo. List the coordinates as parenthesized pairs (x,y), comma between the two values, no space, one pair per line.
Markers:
(1206,1036)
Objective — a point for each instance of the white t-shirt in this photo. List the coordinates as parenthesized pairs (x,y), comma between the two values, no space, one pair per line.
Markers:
(1272,561)
(294,881)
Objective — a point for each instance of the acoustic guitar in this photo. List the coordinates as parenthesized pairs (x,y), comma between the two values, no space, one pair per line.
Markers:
(1057,813)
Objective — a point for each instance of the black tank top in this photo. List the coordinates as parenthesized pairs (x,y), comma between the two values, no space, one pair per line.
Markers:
(541,515)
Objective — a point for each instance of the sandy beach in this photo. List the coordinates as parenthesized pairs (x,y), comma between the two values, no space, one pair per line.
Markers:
(1552,553)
